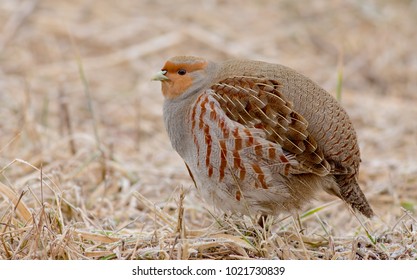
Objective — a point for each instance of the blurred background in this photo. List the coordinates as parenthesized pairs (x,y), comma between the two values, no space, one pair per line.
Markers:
(76,101)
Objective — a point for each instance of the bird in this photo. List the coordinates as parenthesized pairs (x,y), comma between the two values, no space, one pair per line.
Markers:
(259,138)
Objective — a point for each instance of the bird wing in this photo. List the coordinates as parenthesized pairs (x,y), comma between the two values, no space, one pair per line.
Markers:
(257,103)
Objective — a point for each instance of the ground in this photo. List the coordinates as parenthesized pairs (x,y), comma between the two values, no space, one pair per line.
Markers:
(86,167)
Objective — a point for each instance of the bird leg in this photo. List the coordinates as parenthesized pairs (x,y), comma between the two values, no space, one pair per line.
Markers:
(262,220)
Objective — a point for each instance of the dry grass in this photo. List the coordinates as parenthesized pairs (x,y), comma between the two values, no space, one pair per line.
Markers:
(86,169)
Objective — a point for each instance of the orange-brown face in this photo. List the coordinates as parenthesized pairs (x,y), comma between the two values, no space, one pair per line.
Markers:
(177,75)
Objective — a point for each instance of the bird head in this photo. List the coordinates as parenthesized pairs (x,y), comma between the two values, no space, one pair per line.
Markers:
(182,74)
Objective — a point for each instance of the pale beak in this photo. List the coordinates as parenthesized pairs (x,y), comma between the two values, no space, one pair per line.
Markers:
(160,76)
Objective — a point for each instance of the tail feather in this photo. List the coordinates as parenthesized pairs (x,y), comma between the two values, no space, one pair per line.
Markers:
(351,193)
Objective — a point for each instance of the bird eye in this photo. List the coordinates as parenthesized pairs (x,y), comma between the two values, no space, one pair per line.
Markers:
(181,72)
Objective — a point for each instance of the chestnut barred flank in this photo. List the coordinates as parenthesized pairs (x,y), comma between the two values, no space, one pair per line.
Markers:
(257,103)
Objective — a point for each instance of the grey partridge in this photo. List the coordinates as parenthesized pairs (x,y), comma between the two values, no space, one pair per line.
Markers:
(259,138)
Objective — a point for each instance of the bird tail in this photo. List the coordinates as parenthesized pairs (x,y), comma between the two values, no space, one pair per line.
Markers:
(351,193)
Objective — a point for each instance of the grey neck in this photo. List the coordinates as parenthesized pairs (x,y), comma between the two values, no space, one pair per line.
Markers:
(176,114)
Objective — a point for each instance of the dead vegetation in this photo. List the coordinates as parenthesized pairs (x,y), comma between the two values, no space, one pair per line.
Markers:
(86,169)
